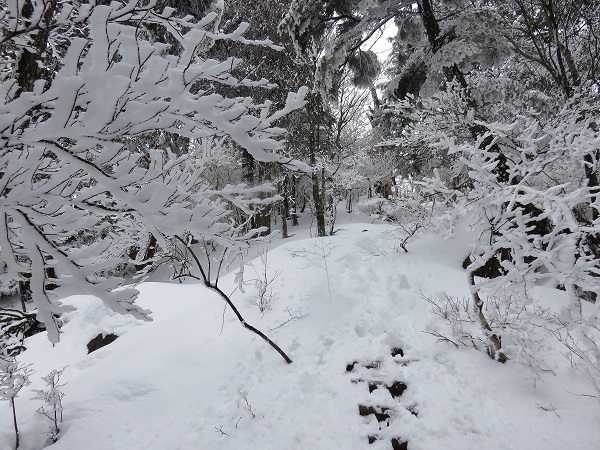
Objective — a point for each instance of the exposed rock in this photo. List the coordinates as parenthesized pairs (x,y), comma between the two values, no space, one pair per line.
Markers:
(100,341)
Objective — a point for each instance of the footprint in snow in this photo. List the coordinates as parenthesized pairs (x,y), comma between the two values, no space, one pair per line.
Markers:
(383,414)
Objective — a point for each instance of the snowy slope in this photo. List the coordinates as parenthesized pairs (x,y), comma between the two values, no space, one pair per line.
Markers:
(182,382)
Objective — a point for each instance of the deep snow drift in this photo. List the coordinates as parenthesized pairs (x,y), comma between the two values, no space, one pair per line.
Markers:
(195,379)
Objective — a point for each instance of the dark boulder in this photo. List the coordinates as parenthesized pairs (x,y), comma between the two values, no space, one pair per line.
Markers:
(100,341)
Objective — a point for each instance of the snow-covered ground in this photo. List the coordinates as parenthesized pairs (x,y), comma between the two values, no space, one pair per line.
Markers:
(195,379)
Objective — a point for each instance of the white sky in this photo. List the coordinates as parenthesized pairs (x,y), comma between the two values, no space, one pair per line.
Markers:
(379,42)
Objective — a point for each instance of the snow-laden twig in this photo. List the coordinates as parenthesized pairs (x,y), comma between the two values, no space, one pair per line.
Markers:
(52,397)
(14,376)
(69,157)
(246,403)
(292,316)
(263,284)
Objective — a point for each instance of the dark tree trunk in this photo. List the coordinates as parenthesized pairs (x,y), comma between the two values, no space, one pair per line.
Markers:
(294,202)
(29,69)
(16,427)
(247,167)
(319,204)
(284,225)
(24,292)
(262,218)
(349,201)
(592,177)
(284,205)
(150,248)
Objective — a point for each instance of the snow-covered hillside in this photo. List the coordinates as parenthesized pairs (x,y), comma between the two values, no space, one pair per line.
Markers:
(195,379)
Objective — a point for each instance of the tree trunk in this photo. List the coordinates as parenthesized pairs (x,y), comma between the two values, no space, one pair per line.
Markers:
(284,225)
(294,204)
(284,206)
(29,67)
(349,201)
(247,167)
(318,201)
(262,217)
(12,404)
(333,217)
(592,178)
(149,252)
(24,293)
(495,341)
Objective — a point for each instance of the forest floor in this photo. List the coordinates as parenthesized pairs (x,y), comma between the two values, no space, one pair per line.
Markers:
(365,368)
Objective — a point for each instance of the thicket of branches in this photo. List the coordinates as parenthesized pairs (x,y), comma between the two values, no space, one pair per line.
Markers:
(89,102)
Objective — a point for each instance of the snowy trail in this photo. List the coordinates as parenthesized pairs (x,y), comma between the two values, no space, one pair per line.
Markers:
(182,383)
(463,399)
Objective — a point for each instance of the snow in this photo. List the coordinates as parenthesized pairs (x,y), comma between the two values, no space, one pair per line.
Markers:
(189,380)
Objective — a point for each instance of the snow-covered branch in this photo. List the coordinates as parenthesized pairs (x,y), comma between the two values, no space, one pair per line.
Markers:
(65,164)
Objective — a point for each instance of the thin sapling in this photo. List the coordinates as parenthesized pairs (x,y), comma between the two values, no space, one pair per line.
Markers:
(263,284)
(52,397)
(316,255)
(14,376)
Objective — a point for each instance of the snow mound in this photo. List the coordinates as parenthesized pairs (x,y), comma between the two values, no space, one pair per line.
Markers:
(363,369)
